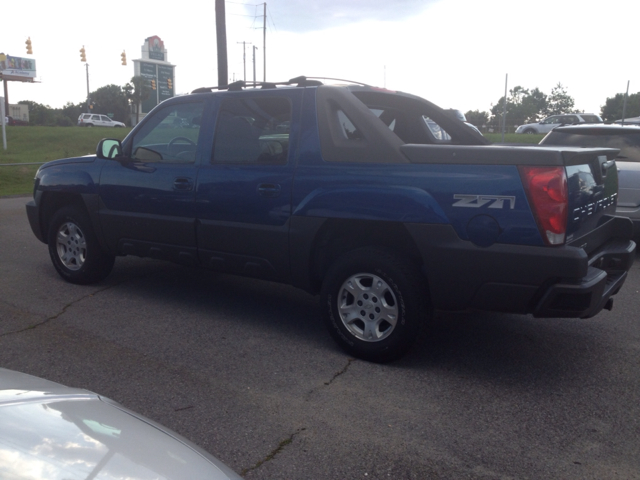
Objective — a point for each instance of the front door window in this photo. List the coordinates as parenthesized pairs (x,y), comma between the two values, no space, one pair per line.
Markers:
(171,136)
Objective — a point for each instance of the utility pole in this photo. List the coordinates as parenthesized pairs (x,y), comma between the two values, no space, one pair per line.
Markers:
(504,107)
(6,95)
(88,94)
(83,58)
(221,37)
(624,105)
(264,43)
(254,65)
(244,59)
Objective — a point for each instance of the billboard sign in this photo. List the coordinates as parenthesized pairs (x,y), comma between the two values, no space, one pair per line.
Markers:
(17,68)
(156,48)
(149,72)
(165,73)
(160,76)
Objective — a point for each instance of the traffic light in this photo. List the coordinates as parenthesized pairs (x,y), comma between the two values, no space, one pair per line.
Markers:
(153,84)
(83,57)
(169,83)
(123,56)
(28,43)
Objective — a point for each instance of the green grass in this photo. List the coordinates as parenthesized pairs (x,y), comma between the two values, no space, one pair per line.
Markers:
(42,144)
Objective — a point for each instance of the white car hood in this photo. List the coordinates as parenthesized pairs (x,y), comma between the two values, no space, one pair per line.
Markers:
(48,431)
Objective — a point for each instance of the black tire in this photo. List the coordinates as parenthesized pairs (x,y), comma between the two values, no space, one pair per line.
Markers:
(364,292)
(74,248)
(530,131)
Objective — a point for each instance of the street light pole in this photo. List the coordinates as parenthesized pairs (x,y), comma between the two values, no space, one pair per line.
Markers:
(244,59)
(88,94)
(264,44)
(254,64)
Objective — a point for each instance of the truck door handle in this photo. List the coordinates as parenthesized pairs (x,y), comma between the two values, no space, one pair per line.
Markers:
(269,189)
(183,183)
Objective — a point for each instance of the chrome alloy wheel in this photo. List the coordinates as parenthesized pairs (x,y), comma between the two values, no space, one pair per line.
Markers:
(368,307)
(71,246)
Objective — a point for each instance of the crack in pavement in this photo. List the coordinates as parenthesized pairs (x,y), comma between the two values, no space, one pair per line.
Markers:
(64,309)
(289,440)
(275,452)
(346,367)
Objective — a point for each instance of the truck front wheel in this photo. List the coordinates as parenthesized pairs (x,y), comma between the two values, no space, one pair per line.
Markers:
(74,248)
(375,304)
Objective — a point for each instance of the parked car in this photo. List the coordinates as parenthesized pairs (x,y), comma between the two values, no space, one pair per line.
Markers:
(9,120)
(95,120)
(629,121)
(56,432)
(549,123)
(625,138)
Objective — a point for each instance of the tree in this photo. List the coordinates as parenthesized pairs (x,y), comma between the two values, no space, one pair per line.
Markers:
(523,106)
(39,114)
(111,99)
(612,109)
(137,91)
(71,112)
(559,101)
(477,118)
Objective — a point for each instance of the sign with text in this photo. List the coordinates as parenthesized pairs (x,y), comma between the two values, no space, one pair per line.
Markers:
(165,73)
(150,73)
(156,75)
(17,68)
(155,48)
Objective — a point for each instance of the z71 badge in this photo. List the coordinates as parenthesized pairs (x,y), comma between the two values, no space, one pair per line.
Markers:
(477,201)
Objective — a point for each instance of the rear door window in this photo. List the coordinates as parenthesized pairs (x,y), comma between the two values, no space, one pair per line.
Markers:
(436,130)
(591,118)
(253,130)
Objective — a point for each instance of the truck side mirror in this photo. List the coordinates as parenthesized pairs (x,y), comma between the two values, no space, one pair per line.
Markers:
(109,148)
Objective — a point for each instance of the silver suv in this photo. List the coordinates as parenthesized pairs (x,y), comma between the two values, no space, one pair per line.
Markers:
(624,138)
(549,123)
(95,120)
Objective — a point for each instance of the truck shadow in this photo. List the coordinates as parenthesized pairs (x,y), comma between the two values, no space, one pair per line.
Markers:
(500,347)
(512,349)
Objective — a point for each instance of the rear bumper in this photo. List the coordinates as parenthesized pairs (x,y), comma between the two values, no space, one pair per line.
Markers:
(574,281)
(585,297)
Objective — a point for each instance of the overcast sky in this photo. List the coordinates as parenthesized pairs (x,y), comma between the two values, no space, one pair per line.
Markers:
(455,53)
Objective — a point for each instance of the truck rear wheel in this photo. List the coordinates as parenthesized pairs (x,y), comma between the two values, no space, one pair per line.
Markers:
(74,248)
(375,304)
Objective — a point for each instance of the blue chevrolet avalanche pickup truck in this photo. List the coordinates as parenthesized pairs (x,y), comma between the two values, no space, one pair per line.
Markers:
(379,201)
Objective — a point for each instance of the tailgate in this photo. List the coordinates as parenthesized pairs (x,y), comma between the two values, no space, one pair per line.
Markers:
(592,183)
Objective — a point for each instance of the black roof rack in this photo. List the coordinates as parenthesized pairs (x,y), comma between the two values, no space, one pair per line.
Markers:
(301,81)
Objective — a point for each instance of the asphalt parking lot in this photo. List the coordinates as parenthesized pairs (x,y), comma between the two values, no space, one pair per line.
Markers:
(246,370)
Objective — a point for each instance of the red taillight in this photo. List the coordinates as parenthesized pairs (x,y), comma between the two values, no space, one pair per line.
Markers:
(547,192)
